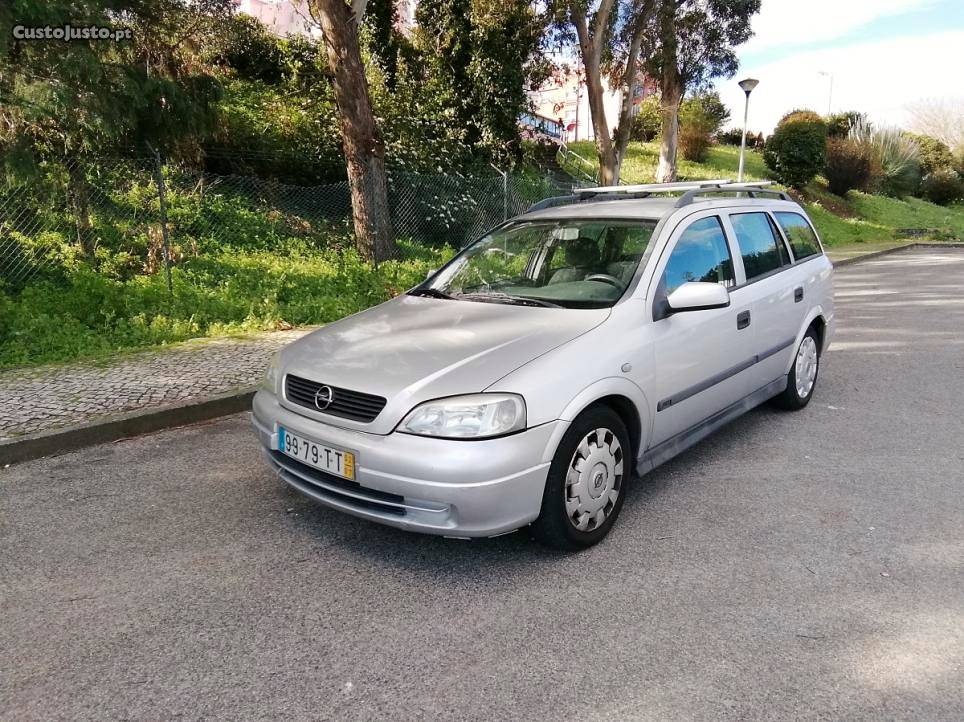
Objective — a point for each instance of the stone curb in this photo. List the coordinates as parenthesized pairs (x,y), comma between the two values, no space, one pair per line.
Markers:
(122,426)
(69,438)
(886,251)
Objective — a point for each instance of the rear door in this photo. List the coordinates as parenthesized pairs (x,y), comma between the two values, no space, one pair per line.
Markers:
(770,291)
(700,356)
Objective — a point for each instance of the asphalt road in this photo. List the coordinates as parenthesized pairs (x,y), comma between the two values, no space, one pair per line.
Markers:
(806,565)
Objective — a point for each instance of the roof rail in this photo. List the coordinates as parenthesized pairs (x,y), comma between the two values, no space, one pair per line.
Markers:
(752,189)
(649,188)
(690,190)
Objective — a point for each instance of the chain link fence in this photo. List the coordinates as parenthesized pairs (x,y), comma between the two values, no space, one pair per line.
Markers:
(109,210)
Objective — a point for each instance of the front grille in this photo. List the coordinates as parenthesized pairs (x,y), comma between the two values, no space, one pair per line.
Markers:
(332,486)
(347,404)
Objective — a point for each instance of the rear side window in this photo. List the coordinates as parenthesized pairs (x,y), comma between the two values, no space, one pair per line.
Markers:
(799,233)
(760,244)
(700,254)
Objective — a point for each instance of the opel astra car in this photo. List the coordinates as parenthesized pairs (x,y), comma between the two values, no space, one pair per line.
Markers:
(526,381)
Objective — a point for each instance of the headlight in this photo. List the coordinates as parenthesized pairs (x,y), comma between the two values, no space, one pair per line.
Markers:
(270,382)
(476,416)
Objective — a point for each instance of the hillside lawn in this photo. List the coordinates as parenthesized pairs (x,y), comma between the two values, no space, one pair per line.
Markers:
(860,218)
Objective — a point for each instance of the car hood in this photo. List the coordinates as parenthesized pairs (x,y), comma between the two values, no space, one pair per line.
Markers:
(413,349)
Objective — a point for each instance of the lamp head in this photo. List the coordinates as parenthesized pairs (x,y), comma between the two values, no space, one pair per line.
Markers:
(749,84)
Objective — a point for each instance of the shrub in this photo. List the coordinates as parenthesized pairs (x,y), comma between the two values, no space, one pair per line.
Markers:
(733,136)
(648,120)
(694,142)
(708,107)
(700,117)
(943,187)
(933,154)
(849,166)
(839,124)
(796,151)
(896,159)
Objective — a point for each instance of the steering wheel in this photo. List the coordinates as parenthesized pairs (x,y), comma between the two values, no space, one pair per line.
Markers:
(605,278)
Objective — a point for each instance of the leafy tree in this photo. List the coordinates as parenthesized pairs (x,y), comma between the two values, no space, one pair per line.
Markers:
(692,43)
(251,51)
(480,57)
(94,96)
(610,37)
(646,122)
(381,38)
(707,104)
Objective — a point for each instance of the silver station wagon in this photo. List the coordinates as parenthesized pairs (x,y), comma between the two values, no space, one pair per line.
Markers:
(525,382)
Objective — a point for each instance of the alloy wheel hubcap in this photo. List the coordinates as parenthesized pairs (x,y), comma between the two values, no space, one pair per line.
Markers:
(806,366)
(594,480)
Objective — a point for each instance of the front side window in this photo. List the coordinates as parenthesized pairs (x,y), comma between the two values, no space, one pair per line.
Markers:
(577,263)
(760,244)
(802,239)
(700,254)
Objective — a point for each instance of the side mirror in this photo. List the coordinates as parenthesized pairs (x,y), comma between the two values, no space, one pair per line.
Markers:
(430,272)
(698,296)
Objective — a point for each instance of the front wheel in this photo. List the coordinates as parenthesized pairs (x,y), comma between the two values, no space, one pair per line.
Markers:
(802,379)
(586,484)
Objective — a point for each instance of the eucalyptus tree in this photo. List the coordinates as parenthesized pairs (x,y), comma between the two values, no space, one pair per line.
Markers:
(680,44)
(611,35)
(692,42)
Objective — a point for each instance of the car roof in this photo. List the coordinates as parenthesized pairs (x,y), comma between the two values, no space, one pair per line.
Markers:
(654,208)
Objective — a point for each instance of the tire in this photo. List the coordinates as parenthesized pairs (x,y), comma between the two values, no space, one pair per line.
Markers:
(578,510)
(805,368)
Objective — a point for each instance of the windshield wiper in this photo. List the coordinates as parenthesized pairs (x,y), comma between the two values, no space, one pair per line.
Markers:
(430,293)
(498,297)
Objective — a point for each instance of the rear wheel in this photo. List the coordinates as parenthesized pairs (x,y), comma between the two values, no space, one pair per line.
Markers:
(802,379)
(585,487)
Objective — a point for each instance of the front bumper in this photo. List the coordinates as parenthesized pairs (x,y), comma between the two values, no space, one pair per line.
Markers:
(436,486)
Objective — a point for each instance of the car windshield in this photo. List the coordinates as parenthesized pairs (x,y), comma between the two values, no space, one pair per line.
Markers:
(568,263)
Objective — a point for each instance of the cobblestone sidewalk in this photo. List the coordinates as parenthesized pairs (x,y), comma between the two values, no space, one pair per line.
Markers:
(48,397)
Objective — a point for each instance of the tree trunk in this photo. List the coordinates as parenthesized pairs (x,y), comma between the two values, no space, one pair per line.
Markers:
(628,85)
(671,89)
(591,51)
(361,139)
(672,94)
(80,205)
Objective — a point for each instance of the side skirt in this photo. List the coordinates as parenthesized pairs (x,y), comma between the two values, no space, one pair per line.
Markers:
(671,447)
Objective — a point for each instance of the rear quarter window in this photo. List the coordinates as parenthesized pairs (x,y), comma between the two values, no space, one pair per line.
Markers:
(802,239)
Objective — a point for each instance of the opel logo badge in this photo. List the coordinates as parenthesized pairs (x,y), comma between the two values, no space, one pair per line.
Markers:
(323,398)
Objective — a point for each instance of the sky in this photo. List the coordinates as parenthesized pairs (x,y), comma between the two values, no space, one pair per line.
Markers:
(882,55)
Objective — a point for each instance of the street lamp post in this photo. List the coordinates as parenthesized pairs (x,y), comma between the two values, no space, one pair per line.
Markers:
(830,91)
(747,85)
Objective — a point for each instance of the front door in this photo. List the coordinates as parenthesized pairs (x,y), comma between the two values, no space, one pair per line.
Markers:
(700,356)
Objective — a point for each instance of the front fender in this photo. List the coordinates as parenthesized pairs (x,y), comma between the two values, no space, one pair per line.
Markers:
(609,386)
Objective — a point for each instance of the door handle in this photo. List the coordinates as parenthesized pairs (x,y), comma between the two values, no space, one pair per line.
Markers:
(798,294)
(742,320)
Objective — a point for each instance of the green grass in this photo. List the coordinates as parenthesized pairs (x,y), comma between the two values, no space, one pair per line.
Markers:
(86,315)
(860,218)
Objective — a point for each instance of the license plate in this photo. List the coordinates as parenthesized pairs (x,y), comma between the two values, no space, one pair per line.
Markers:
(335,461)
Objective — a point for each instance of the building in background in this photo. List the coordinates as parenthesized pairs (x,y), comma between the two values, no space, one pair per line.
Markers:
(564,99)
(292,17)
(281,17)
